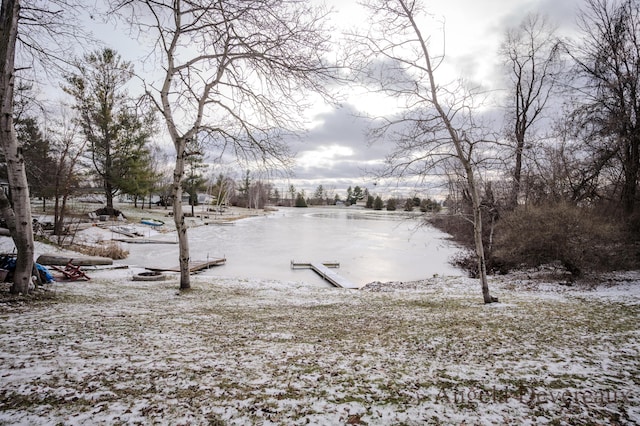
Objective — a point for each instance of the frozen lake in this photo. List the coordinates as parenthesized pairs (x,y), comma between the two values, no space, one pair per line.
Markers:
(369,245)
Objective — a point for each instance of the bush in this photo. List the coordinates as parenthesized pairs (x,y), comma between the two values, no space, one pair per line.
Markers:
(105,211)
(459,227)
(578,238)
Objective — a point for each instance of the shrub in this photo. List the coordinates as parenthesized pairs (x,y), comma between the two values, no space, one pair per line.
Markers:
(579,238)
(459,227)
(370,201)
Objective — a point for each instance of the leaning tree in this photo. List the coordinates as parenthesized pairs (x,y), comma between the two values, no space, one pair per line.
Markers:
(235,74)
(437,123)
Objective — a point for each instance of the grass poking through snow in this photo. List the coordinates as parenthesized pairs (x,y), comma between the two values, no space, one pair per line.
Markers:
(229,352)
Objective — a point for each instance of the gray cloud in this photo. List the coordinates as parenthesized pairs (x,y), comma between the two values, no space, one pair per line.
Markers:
(337,152)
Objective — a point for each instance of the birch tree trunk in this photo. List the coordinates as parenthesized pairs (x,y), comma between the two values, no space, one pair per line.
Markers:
(18,217)
(178,216)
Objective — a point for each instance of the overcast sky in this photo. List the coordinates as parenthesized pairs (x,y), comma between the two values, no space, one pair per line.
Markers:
(336,154)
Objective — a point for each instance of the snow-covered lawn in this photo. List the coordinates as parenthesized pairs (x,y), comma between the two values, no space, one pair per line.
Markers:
(117,351)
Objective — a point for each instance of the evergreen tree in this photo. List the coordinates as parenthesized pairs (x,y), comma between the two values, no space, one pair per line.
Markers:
(370,200)
(428,205)
(391,204)
(194,180)
(354,195)
(110,122)
(36,151)
(244,189)
(318,195)
(292,194)
(378,204)
(408,205)
(300,201)
(141,176)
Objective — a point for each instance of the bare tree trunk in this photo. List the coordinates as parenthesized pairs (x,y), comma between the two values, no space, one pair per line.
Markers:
(631,168)
(19,217)
(108,192)
(178,216)
(477,234)
(56,214)
(517,172)
(62,232)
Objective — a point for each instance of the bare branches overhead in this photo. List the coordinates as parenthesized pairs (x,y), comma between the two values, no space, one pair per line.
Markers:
(238,71)
(50,30)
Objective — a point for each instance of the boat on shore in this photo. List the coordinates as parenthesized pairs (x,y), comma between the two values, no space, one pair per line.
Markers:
(152,222)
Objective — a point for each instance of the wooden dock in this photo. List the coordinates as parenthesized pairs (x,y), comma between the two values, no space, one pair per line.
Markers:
(142,241)
(322,269)
(194,266)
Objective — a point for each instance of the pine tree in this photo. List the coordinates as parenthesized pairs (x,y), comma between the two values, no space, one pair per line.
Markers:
(115,130)
(300,201)
(391,204)
(378,204)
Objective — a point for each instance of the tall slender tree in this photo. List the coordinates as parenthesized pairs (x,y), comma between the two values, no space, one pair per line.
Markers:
(607,111)
(438,123)
(67,149)
(531,53)
(41,31)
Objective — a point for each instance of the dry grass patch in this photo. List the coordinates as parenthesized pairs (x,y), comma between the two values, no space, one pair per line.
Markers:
(111,249)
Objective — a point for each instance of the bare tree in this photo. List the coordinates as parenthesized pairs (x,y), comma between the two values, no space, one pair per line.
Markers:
(236,74)
(608,83)
(68,148)
(531,54)
(438,121)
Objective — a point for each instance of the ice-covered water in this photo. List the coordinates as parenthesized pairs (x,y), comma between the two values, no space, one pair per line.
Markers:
(369,245)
